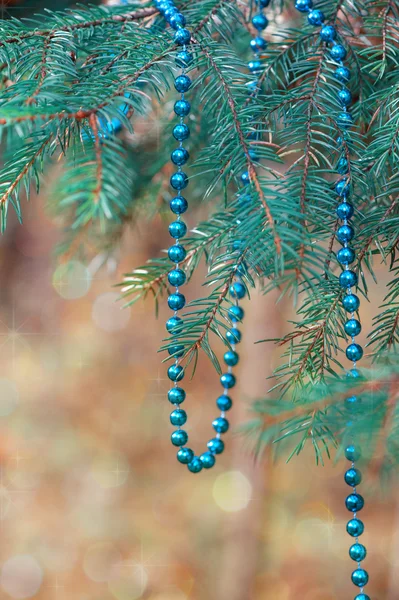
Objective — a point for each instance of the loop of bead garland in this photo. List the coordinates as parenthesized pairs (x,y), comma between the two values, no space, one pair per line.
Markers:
(347,279)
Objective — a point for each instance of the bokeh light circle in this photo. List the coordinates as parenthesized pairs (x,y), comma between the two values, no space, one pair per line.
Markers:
(128,581)
(21,576)
(8,397)
(108,313)
(232,491)
(71,280)
(99,561)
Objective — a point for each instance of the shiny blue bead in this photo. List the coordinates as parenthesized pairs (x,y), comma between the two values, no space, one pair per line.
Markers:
(344,97)
(179,437)
(255,66)
(164,6)
(185,455)
(346,256)
(176,351)
(182,37)
(345,233)
(176,395)
(357,552)
(263,3)
(260,22)
(345,210)
(220,425)
(177,253)
(178,205)
(355,527)
(174,325)
(208,460)
(252,87)
(362,597)
(224,403)
(345,120)
(342,187)
(303,5)
(184,59)
(176,373)
(182,83)
(352,403)
(338,52)
(328,33)
(343,74)
(177,229)
(237,290)
(316,17)
(177,20)
(178,417)
(179,156)
(347,279)
(360,577)
(258,43)
(233,335)
(182,108)
(216,446)
(354,352)
(342,166)
(351,303)
(354,502)
(353,477)
(352,453)
(195,466)
(179,181)
(176,277)
(236,313)
(181,132)
(176,301)
(228,380)
(245,178)
(169,12)
(231,358)
(353,373)
(353,327)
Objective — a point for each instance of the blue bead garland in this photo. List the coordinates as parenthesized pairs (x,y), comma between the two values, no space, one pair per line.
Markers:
(347,279)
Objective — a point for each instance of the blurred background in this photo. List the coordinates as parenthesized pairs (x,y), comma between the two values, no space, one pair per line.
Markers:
(93,504)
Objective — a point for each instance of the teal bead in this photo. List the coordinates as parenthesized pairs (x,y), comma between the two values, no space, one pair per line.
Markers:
(177,253)
(254,66)
(354,502)
(177,229)
(345,233)
(233,335)
(353,477)
(347,279)
(177,20)
(182,83)
(184,59)
(352,403)
(351,303)
(338,52)
(342,187)
(346,256)
(176,351)
(179,437)
(257,44)
(303,5)
(316,17)
(176,395)
(208,460)
(353,373)
(228,380)
(224,403)
(245,178)
(362,597)
(178,417)
(179,181)
(237,290)
(357,552)
(220,425)
(174,325)
(195,466)
(176,277)
(236,313)
(345,210)
(344,97)
(342,166)
(352,453)
(345,120)
(231,358)
(360,577)
(355,527)
(343,74)
(182,108)
(260,22)
(178,205)
(182,37)
(328,33)
(179,156)
(185,455)
(352,327)
(176,373)
(181,132)
(354,352)
(216,446)
(176,301)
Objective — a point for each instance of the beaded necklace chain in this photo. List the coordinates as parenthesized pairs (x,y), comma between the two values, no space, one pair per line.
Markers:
(347,279)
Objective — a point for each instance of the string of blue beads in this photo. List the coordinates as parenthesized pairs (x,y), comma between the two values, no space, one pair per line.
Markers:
(177,276)
(348,278)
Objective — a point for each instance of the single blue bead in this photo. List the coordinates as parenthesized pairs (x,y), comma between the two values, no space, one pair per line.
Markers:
(179,437)
(176,351)
(179,156)
(351,303)
(185,455)
(176,395)
(231,358)
(258,43)
(182,83)
(177,20)
(182,37)
(328,33)
(346,256)
(179,181)
(338,52)
(184,59)
(260,22)
(163,6)
(343,74)
(344,97)
(220,425)
(178,205)
(345,120)
(195,466)
(169,12)
(224,403)
(352,453)
(352,403)
(177,229)
(343,166)
(252,87)
(237,290)
(255,66)
(208,460)
(245,178)
(181,132)
(345,233)
(347,279)
(263,3)
(176,301)
(177,253)
(303,5)
(353,373)
(357,552)
(354,352)
(174,325)
(236,313)
(360,577)
(353,477)
(215,446)
(182,108)
(316,17)
(354,502)
(176,277)
(362,597)
(228,380)
(233,335)
(353,327)
(176,373)
(355,527)
(178,417)
(345,210)
(342,187)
